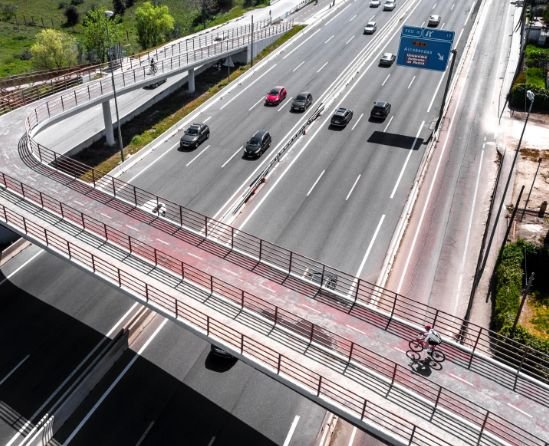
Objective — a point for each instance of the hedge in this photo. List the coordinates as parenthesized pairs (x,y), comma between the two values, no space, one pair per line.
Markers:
(517,97)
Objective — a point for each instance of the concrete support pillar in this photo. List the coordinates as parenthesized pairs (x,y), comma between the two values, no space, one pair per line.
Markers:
(190,80)
(109,132)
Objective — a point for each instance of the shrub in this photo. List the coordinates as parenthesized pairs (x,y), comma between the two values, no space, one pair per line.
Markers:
(76,2)
(72,15)
(61,5)
(518,102)
(129,3)
(7,11)
(118,7)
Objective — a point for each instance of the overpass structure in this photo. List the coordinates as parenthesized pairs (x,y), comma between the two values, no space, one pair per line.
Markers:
(328,335)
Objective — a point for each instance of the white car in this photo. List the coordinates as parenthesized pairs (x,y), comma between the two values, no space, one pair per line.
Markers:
(387,59)
(434,20)
(389,5)
(370,27)
(374,3)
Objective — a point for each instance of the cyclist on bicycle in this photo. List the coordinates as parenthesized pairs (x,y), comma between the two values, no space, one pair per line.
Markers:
(430,338)
(153,66)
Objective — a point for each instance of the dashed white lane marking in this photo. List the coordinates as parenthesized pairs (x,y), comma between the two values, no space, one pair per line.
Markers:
(142,438)
(353,187)
(355,329)
(266,287)
(352,437)
(207,119)
(246,88)
(314,184)
(257,103)
(12,371)
(301,44)
(352,18)
(162,241)
(406,161)
(195,256)
(196,157)
(77,202)
(357,121)
(312,309)
(329,38)
(399,349)
(367,254)
(131,227)
(230,272)
(211,441)
(297,68)
(434,6)
(520,410)
(322,67)
(232,156)
(461,379)
(452,7)
(411,82)
(288,100)
(386,79)
(388,124)
(105,215)
(291,431)
(349,40)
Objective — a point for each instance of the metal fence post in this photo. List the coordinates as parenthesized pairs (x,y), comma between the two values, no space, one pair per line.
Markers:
(130,244)
(520,368)
(93,177)
(436,404)
(436,317)
(69,249)
(119,278)
(260,248)
(135,195)
(482,427)
(208,325)
(242,299)
(113,187)
(205,226)
(291,260)
(312,333)
(279,364)
(155,257)
(242,343)
(182,271)
(363,409)
(146,292)
(232,237)
(474,348)
(319,386)
(392,312)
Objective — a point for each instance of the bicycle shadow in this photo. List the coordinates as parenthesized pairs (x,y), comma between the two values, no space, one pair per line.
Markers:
(423,367)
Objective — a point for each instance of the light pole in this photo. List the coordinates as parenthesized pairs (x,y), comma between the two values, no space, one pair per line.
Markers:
(109,14)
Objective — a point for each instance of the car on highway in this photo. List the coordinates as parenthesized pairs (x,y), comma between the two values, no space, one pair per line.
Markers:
(387,59)
(257,144)
(195,135)
(341,117)
(220,353)
(275,96)
(434,20)
(389,5)
(370,27)
(380,110)
(153,85)
(374,3)
(302,101)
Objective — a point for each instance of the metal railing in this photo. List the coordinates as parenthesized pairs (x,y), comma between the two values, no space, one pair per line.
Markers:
(349,358)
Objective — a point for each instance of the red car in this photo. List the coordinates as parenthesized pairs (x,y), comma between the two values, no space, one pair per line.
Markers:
(275,96)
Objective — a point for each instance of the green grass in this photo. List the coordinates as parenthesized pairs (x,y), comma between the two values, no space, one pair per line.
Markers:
(18,38)
(535,77)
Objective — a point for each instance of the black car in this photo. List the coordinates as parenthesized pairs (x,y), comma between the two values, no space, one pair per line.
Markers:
(341,117)
(154,84)
(302,102)
(220,353)
(194,136)
(380,110)
(257,144)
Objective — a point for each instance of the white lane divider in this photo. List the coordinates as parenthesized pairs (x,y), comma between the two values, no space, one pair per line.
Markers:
(207,119)
(232,156)
(291,431)
(257,103)
(246,88)
(301,44)
(329,38)
(357,121)
(461,379)
(349,40)
(297,68)
(369,249)
(314,184)
(388,124)
(353,187)
(411,82)
(322,67)
(386,79)
(288,100)
(12,371)
(9,276)
(352,18)
(196,157)
(520,410)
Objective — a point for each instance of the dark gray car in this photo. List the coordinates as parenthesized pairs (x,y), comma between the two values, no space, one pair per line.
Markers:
(302,101)
(257,144)
(194,136)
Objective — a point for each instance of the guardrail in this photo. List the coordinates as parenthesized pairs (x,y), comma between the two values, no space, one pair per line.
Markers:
(353,295)
(346,354)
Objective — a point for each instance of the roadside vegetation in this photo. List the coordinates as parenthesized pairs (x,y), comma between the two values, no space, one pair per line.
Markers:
(132,26)
(144,129)
(518,260)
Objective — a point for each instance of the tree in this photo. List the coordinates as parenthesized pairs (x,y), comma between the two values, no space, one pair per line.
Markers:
(72,15)
(118,7)
(96,38)
(153,24)
(54,49)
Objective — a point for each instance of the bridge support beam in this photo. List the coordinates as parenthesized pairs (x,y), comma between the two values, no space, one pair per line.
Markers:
(190,81)
(109,132)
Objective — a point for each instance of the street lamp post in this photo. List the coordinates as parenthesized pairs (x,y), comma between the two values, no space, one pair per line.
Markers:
(109,14)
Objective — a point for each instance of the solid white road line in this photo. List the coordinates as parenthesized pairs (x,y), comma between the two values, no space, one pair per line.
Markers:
(461,379)
(312,309)
(388,124)
(297,68)
(195,256)
(261,99)
(349,40)
(131,227)
(246,88)
(520,410)
(12,371)
(77,202)
(459,37)
(353,187)
(162,241)
(468,234)
(234,273)
(291,431)
(320,69)
(232,156)
(386,79)
(301,44)
(314,184)
(411,82)
(20,268)
(357,121)
(406,161)
(329,38)
(196,157)
(435,93)
(114,384)
(352,437)
(355,329)
(106,216)
(286,102)
(369,249)
(147,430)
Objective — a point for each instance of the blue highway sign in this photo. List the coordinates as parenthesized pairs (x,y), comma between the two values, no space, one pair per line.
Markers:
(425,48)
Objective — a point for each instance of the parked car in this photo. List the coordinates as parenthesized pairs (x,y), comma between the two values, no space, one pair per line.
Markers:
(341,117)
(302,101)
(380,110)
(434,20)
(257,144)
(389,5)
(220,353)
(194,136)
(275,96)
(370,27)
(387,59)
(374,3)
(153,85)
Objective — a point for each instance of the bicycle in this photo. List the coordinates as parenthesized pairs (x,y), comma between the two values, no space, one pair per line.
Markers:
(153,69)
(417,346)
